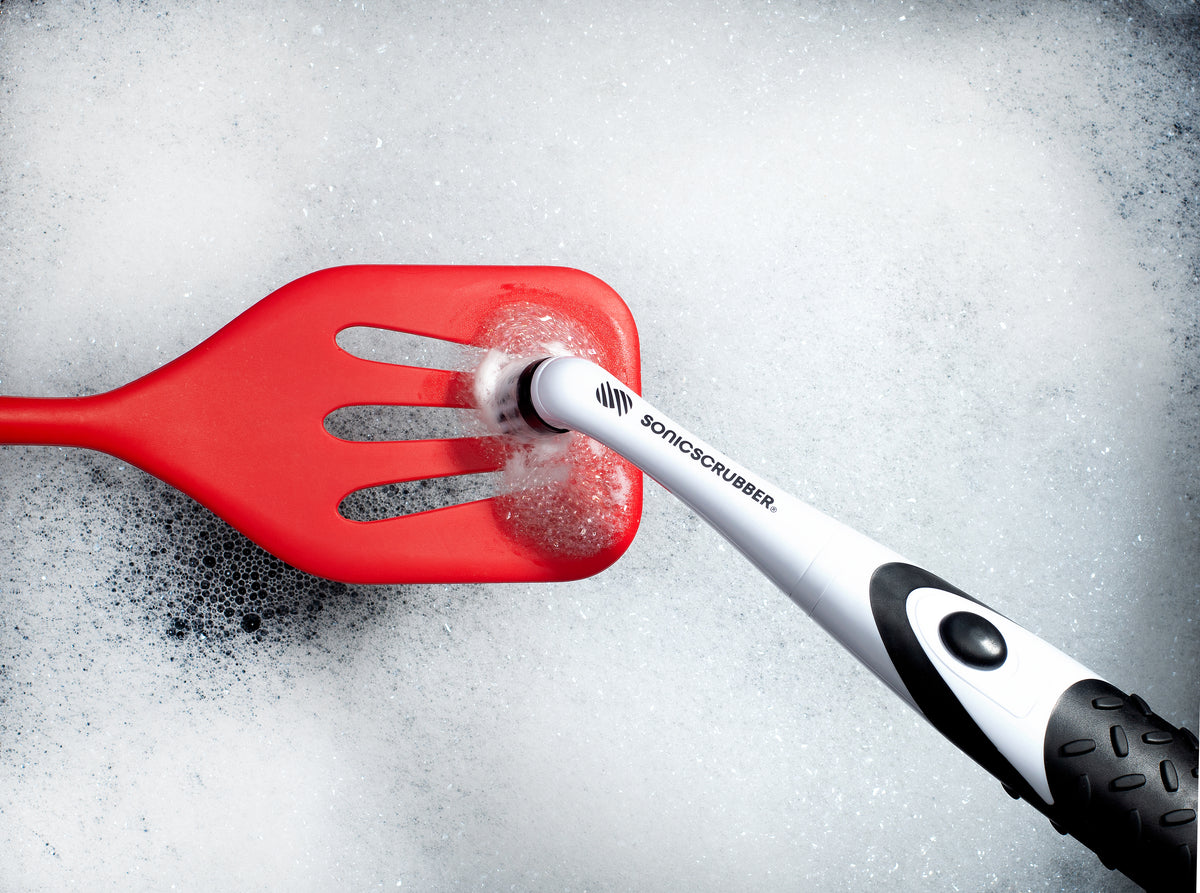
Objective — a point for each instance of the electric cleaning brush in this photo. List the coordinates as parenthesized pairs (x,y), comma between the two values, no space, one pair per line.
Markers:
(1098,762)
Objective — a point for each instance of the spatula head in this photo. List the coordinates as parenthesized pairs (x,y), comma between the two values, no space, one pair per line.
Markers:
(238,424)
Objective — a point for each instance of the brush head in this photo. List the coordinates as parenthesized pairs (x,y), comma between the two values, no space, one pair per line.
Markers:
(503,397)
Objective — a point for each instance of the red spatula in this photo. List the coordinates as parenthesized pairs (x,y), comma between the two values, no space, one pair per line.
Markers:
(237,423)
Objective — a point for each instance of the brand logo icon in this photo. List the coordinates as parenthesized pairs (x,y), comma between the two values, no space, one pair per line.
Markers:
(613,398)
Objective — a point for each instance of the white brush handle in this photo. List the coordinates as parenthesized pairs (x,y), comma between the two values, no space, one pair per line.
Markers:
(1017,705)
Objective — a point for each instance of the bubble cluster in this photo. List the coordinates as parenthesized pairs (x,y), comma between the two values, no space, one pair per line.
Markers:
(567,494)
(193,578)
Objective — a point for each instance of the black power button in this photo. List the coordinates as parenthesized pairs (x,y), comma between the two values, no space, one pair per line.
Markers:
(973,639)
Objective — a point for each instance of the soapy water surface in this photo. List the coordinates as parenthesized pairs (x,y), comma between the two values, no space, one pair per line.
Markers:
(932,267)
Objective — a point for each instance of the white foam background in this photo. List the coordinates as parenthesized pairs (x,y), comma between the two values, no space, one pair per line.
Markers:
(932,266)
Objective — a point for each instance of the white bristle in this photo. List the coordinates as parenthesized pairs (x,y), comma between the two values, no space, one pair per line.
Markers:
(496,386)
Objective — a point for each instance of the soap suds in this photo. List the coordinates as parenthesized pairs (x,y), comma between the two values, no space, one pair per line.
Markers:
(931,266)
(193,579)
(562,494)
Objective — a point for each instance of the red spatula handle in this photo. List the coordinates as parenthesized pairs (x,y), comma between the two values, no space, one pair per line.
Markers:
(56,421)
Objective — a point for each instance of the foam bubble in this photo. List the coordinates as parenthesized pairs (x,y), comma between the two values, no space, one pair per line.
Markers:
(565,494)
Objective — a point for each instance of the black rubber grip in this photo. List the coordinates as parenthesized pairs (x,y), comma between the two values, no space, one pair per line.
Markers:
(1124,784)
(1123,780)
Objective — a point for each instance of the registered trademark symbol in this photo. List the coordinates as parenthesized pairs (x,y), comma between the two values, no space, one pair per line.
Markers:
(774,509)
